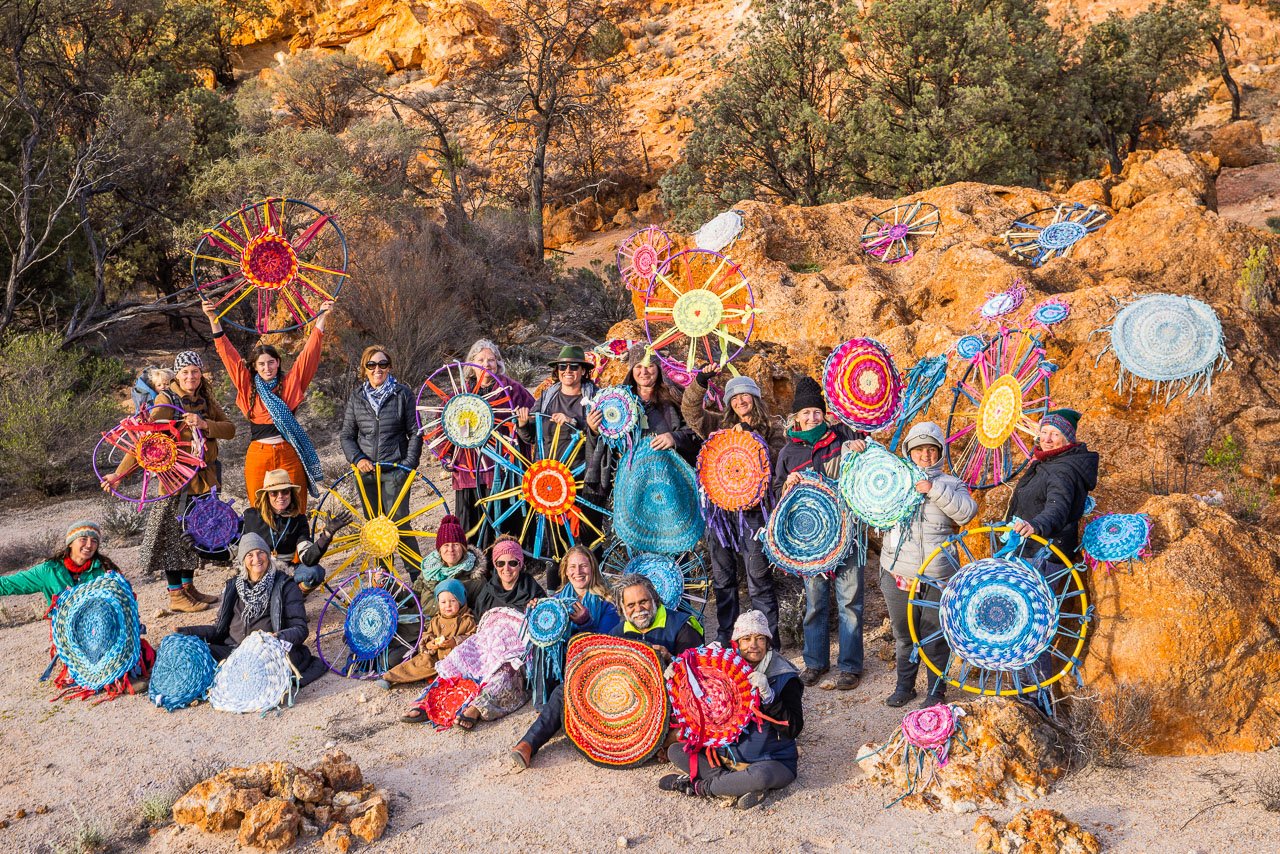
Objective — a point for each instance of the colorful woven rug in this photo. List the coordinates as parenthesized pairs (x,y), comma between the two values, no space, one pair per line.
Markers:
(733,476)
(808,533)
(998,614)
(212,522)
(862,385)
(372,620)
(655,503)
(641,255)
(924,739)
(97,635)
(1049,312)
(182,673)
(256,677)
(1174,342)
(445,698)
(1116,538)
(622,416)
(879,488)
(665,575)
(1005,302)
(720,231)
(615,709)
(497,642)
(711,700)
(970,346)
(545,631)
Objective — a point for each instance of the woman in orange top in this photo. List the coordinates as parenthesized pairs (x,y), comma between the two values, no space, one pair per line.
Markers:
(268,397)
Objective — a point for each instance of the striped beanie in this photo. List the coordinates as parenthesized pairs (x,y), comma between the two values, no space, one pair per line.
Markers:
(83,528)
(187,357)
(1064,421)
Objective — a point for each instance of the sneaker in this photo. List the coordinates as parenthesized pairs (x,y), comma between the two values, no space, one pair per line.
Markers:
(749,800)
(900,698)
(676,783)
(810,676)
(848,681)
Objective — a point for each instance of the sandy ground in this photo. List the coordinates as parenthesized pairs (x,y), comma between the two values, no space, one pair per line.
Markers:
(450,791)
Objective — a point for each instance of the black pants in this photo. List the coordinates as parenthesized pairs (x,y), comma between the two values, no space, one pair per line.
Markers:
(471,516)
(926,621)
(392,482)
(723,783)
(549,721)
(725,564)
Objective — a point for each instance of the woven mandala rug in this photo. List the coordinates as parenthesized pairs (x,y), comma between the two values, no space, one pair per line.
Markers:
(182,673)
(808,532)
(655,503)
(615,709)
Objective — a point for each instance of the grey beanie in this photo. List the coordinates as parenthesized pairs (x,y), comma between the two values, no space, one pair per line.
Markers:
(741,385)
(248,543)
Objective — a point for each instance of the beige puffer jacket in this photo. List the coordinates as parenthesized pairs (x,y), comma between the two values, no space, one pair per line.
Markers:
(946,509)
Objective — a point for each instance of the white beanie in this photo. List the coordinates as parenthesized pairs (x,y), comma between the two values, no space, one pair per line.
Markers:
(751,623)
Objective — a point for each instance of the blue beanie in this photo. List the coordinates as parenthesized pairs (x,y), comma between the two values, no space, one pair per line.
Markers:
(454,586)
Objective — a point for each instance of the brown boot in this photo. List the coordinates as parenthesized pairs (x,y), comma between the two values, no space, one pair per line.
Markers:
(180,602)
(196,596)
(520,756)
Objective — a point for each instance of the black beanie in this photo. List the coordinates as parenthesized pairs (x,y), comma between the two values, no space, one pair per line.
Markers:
(808,393)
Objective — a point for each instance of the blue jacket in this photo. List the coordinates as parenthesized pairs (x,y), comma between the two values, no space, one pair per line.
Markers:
(768,741)
(674,631)
(604,617)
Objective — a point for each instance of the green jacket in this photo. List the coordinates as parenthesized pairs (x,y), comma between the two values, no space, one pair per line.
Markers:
(49,578)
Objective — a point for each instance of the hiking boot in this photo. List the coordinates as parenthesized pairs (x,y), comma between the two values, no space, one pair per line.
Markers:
(676,783)
(196,596)
(520,756)
(810,676)
(848,681)
(181,603)
(748,801)
(900,698)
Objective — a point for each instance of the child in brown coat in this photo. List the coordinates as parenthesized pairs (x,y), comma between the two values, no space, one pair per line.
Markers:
(446,630)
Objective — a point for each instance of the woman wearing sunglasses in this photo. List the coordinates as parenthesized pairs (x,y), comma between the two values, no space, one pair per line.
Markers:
(380,426)
(510,586)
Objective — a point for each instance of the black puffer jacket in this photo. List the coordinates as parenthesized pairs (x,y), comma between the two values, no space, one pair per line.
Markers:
(1050,496)
(388,436)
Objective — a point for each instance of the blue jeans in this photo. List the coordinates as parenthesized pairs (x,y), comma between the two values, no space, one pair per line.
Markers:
(308,575)
(849,594)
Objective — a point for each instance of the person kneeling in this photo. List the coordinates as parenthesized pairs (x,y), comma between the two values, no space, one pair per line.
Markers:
(261,598)
(764,757)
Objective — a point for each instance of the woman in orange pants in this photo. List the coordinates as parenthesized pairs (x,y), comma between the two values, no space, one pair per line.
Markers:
(268,397)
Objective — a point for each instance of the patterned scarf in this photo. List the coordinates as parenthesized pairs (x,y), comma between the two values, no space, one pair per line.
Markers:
(378,396)
(255,597)
(292,431)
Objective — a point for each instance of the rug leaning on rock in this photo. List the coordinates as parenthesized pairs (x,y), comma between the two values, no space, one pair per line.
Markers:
(272,804)
(1009,754)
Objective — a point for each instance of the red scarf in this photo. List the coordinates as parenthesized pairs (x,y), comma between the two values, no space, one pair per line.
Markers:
(1041,454)
(75,568)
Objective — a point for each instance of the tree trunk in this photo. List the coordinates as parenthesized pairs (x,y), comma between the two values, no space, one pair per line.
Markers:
(537,183)
(1218,40)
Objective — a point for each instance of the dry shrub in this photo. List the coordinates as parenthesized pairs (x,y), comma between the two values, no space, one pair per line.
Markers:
(1106,729)
(1267,786)
(33,549)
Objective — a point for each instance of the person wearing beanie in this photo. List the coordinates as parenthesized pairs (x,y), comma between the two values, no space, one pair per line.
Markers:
(744,410)
(276,516)
(79,561)
(764,757)
(510,585)
(452,624)
(470,486)
(260,598)
(814,445)
(1049,497)
(452,558)
(190,401)
(947,508)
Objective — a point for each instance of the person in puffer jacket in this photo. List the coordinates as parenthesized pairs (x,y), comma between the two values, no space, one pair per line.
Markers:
(947,507)
(765,756)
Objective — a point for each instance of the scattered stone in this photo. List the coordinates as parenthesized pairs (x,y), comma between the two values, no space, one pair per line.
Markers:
(4,822)
(216,805)
(337,839)
(272,825)
(21,813)
(373,823)
(1034,832)
(1009,754)
(1239,144)
(339,772)
(42,809)
(623,842)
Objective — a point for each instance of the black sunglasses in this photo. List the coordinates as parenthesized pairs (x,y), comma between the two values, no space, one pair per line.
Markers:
(372,365)
(506,563)
(570,366)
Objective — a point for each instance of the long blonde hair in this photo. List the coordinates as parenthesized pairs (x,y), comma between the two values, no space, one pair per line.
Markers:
(597,583)
(268,513)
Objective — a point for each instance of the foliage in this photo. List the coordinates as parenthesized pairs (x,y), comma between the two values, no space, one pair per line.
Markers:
(319,89)
(1246,501)
(120,522)
(53,405)
(1225,455)
(775,126)
(1107,729)
(1255,284)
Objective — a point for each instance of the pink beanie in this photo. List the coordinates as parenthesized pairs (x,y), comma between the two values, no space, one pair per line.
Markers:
(508,548)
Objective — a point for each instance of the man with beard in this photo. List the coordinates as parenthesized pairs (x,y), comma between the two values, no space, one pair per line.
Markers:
(646,620)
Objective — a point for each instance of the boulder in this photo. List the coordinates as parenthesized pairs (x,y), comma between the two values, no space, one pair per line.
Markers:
(1193,629)
(1239,144)
(337,839)
(1008,754)
(372,823)
(1148,173)
(339,772)
(1034,832)
(271,825)
(215,805)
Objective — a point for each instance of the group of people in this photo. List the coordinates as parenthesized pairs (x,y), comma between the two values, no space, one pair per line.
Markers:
(478,575)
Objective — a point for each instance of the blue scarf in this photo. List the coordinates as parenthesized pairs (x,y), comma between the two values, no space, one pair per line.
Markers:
(378,396)
(292,431)
(603,615)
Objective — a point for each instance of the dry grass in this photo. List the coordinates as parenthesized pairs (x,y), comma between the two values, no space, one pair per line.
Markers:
(1106,729)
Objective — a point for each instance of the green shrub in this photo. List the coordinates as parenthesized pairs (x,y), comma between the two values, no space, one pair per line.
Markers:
(53,405)
(1255,284)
